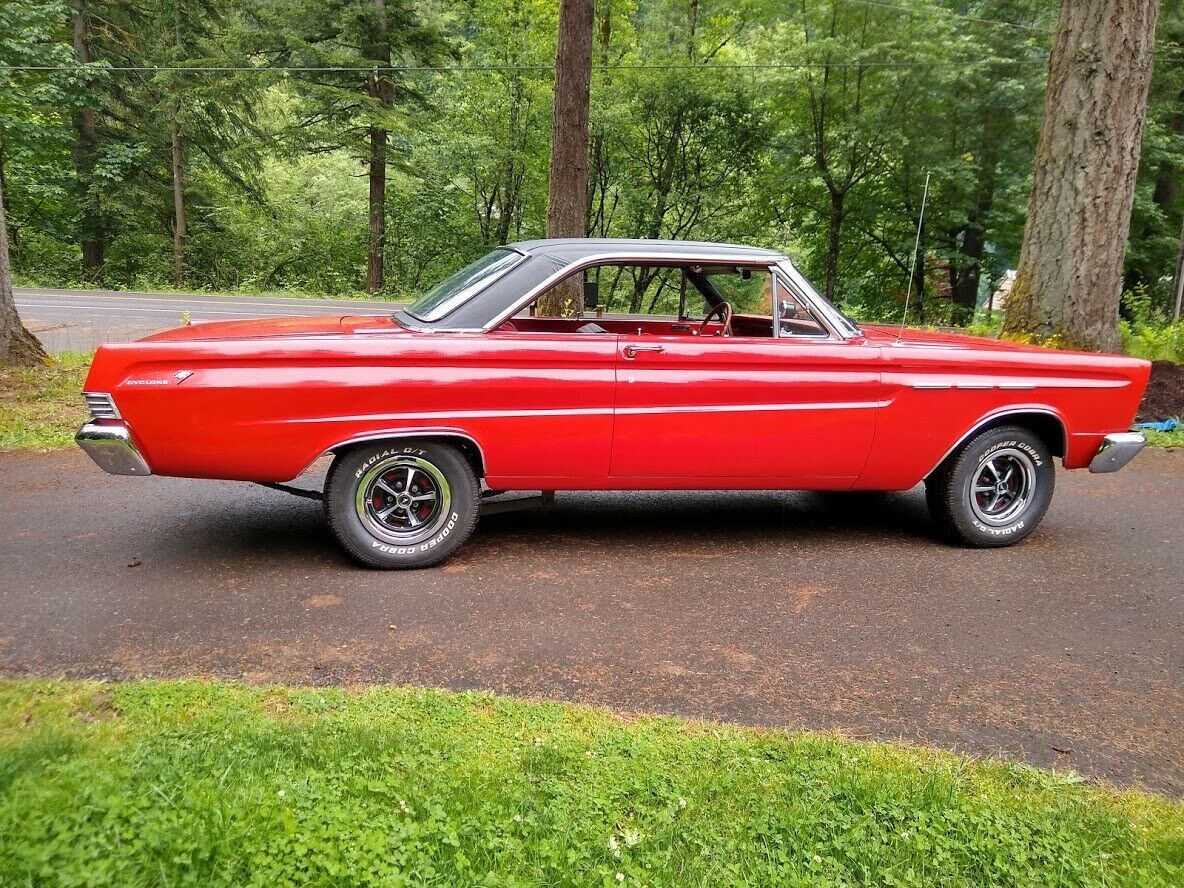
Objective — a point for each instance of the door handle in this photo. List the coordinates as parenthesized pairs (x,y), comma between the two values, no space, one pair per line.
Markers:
(631,350)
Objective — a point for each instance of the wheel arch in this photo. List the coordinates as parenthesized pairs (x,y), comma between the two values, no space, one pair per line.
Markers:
(463,441)
(1044,422)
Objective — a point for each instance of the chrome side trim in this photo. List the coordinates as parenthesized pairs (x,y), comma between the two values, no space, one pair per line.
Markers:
(604,411)
(635,256)
(755,408)
(991,417)
(1116,451)
(111,446)
(935,385)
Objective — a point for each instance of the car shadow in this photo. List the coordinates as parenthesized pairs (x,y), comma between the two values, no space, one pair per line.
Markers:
(722,514)
(270,525)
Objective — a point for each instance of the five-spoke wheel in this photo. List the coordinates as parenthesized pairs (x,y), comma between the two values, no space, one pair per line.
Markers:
(1002,487)
(402,503)
(994,490)
(402,498)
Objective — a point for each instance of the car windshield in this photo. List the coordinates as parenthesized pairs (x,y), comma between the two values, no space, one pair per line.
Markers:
(852,328)
(457,288)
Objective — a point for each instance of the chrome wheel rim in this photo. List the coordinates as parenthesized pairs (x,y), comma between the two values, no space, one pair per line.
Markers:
(403,499)
(1002,487)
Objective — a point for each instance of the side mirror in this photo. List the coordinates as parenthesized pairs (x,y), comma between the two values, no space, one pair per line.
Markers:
(591,294)
(787,308)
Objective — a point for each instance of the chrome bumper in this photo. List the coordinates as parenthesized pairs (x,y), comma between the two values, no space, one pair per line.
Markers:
(1116,451)
(111,446)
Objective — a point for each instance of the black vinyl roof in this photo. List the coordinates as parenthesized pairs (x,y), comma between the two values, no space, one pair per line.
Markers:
(581,247)
(543,259)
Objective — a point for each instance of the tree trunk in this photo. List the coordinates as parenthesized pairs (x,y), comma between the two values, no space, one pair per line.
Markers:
(600,211)
(1167,180)
(90,219)
(376,253)
(1167,189)
(379,86)
(12,235)
(918,281)
(180,229)
(974,238)
(1083,184)
(567,194)
(18,347)
(834,241)
(1179,278)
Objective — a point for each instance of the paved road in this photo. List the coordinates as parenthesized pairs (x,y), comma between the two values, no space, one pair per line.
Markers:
(806,610)
(79,320)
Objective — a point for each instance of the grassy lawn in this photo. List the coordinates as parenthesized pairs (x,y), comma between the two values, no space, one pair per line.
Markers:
(42,408)
(200,783)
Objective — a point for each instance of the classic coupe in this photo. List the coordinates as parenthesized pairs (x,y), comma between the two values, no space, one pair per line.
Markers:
(588,364)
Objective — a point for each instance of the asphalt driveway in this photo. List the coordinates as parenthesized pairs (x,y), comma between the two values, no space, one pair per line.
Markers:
(799,610)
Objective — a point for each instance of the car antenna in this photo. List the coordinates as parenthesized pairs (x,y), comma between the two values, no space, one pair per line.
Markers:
(913,266)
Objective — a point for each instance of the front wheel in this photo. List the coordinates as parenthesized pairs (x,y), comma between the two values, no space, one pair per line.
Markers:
(402,504)
(994,490)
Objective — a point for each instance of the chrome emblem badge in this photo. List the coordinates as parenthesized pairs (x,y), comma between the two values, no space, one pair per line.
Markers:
(182,375)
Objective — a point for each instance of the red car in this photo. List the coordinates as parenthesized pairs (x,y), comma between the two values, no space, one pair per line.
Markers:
(667,365)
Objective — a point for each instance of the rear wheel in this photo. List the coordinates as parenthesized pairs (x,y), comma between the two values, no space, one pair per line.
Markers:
(994,490)
(402,504)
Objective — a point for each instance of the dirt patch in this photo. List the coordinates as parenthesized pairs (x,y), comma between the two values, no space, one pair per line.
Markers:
(803,595)
(329,600)
(1164,397)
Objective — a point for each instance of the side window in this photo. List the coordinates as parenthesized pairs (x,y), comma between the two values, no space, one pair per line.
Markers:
(626,289)
(658,291)
(749,290)
(794,318)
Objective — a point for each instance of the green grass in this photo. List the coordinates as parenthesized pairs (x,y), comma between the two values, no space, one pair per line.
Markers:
(202,783)
(41,408)
(1165,439)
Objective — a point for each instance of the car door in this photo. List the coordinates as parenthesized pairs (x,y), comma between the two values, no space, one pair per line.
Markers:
(744,412)
(539,403)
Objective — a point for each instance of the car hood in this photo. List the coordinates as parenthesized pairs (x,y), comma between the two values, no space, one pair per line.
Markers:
(271,328)
(883,334)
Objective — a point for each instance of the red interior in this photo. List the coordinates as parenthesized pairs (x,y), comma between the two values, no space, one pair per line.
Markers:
(742,325)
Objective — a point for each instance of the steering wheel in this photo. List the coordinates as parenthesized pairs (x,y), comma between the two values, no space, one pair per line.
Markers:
(724,309)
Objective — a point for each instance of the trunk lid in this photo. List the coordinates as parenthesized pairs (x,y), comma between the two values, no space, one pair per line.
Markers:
(271,328)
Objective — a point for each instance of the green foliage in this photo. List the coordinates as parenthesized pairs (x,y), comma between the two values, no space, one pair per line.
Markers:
(35,139)
(693,135)
(1165,439)
(1158,214)
(1146,331)
(214,784)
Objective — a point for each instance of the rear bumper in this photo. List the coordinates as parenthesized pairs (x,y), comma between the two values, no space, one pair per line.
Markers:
(1116,451)
(111,446)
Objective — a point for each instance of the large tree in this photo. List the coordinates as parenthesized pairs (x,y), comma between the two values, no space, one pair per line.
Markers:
(17,345)
(1070,271)
(87,191)
(364,48)
(32,135)
(567,196)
